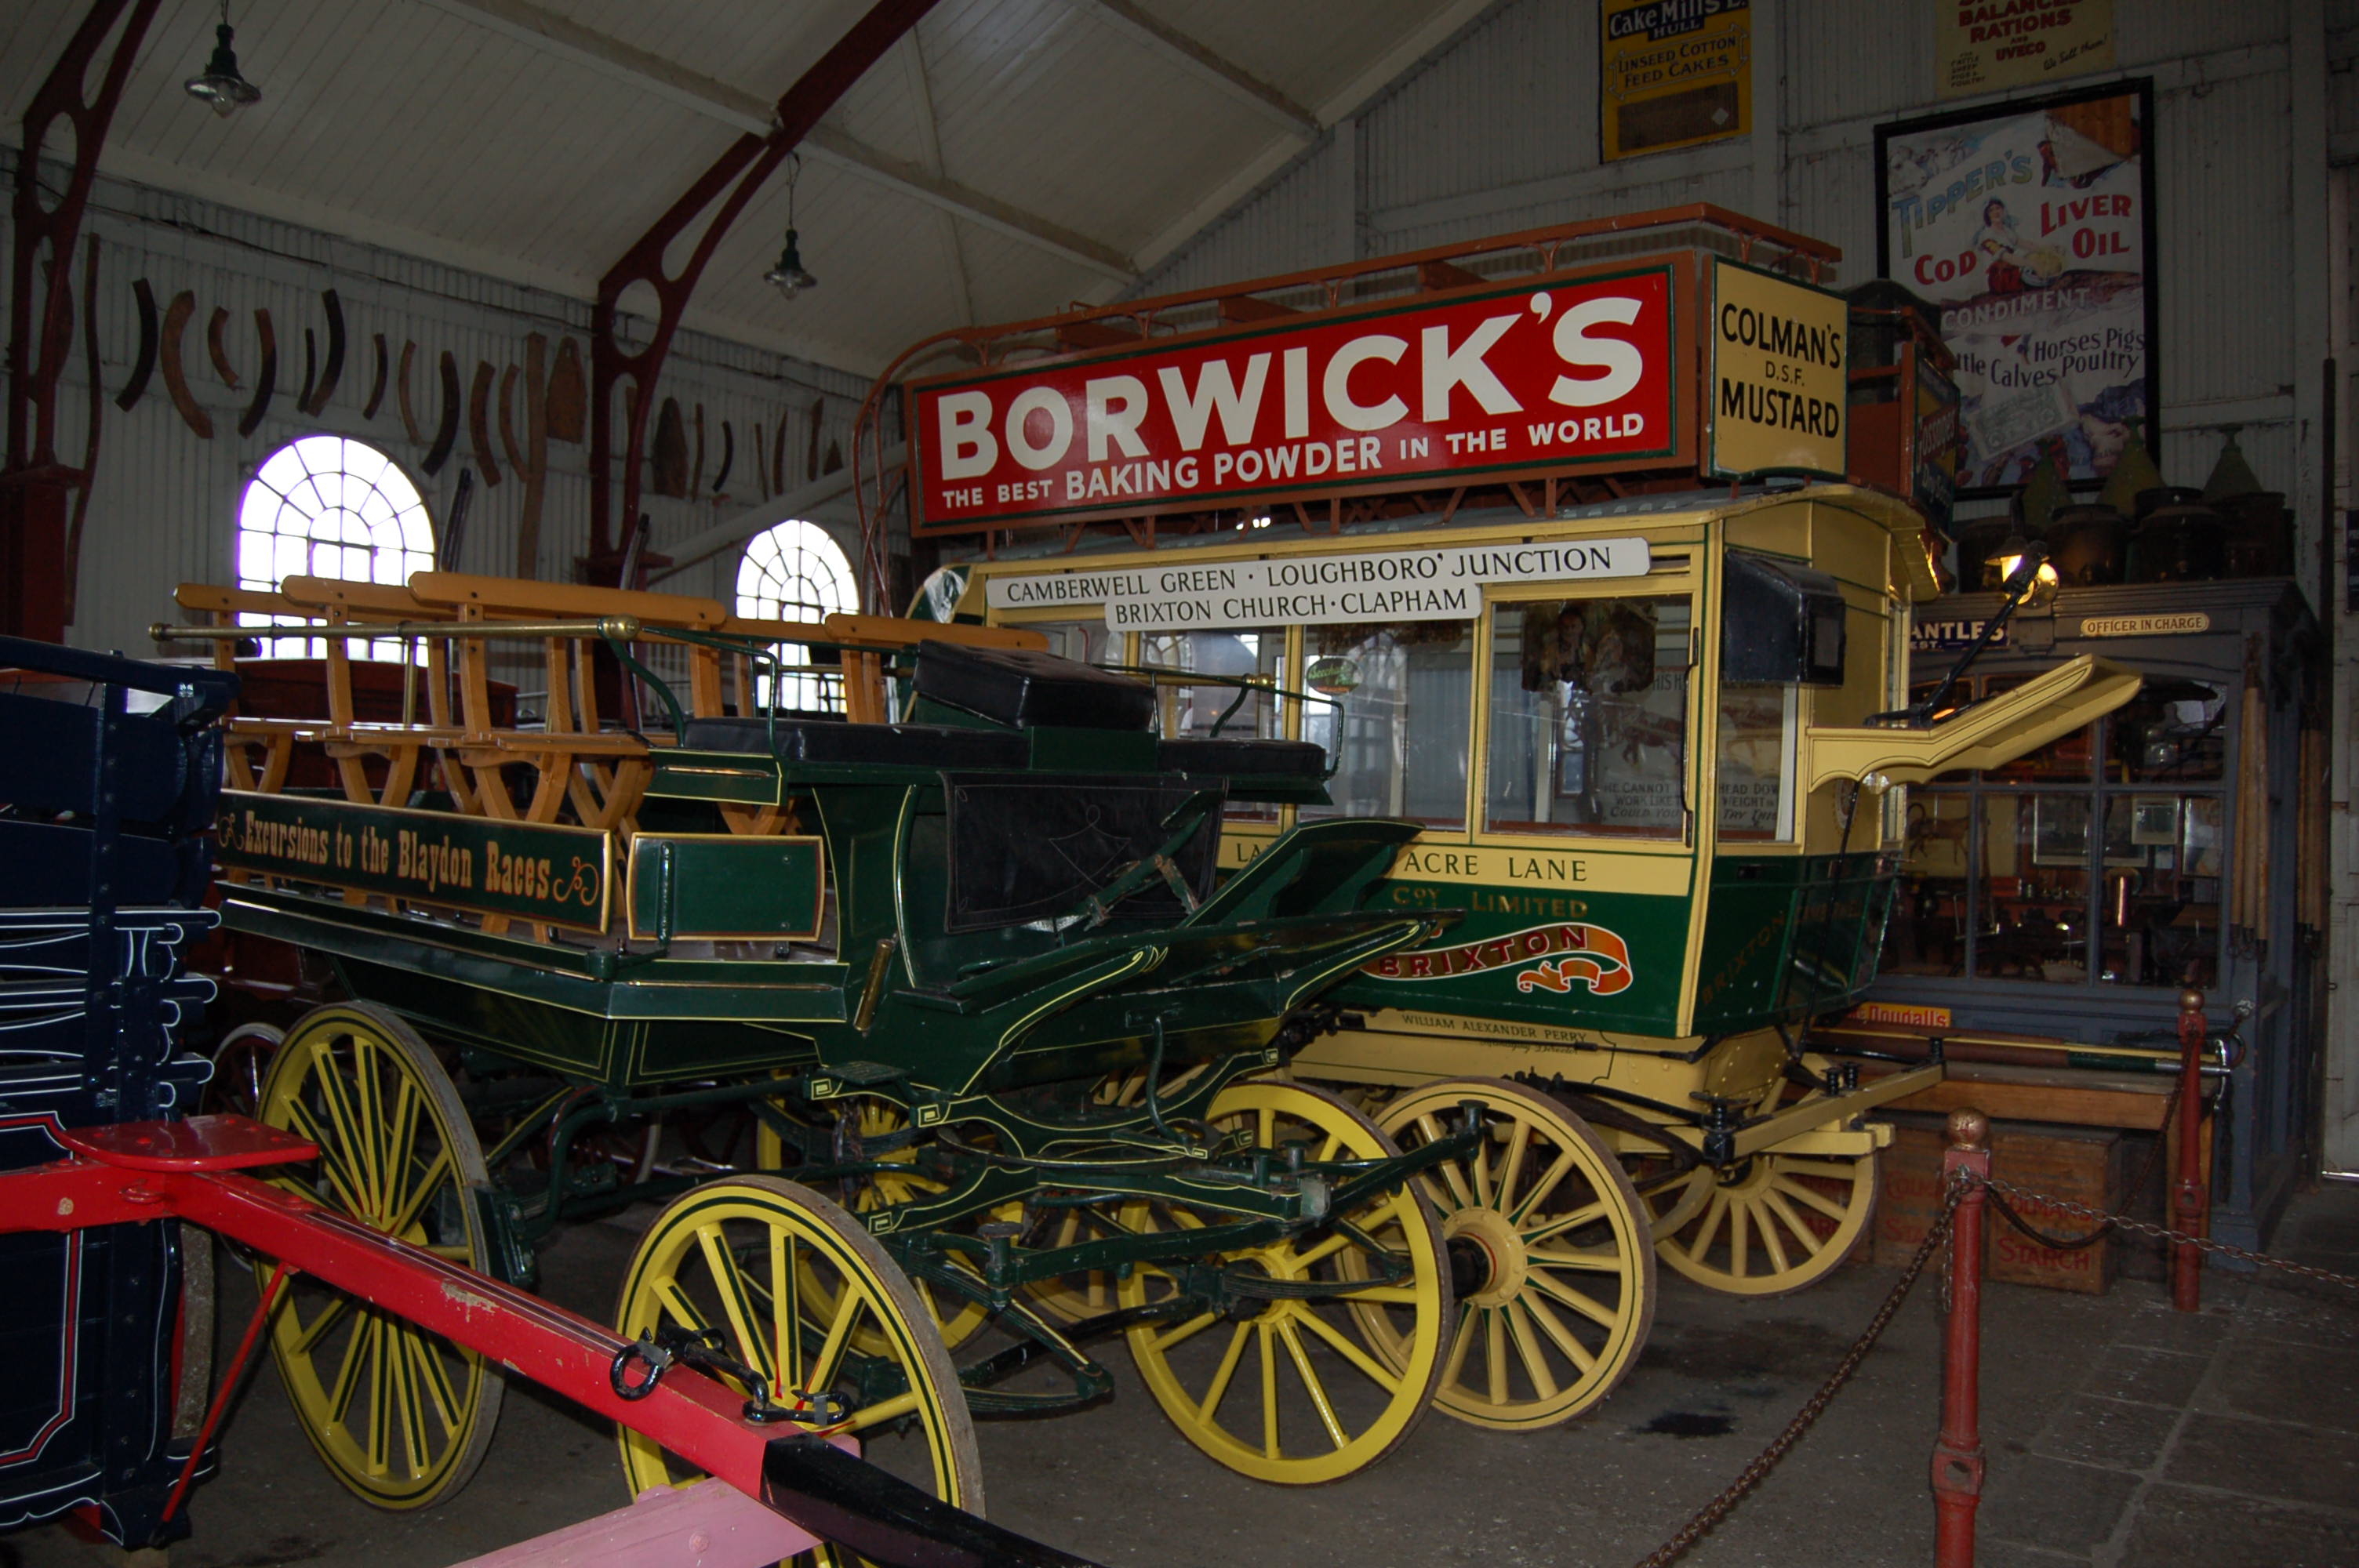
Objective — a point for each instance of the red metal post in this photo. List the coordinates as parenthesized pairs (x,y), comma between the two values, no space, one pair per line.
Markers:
(1958,1451)
(230,1377)
(2191,1199)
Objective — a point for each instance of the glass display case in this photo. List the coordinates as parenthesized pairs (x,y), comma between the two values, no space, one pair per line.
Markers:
(2072,893)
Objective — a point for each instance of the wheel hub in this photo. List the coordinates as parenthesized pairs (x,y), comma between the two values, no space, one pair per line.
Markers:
(1486,1257)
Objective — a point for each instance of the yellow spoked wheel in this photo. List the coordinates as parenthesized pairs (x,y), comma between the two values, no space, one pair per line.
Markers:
(737,1255)
(1553,1261)
(401,1417)
(1766,1225)
(957,1317)
(1292,1393)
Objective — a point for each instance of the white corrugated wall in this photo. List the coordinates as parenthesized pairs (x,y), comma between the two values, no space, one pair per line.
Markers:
(164,508)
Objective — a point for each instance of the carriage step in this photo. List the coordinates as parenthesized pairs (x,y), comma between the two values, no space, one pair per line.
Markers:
(200,1143)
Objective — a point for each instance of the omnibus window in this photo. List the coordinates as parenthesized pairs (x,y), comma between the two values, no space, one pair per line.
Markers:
(1395,721)
(1194,711)
(1088,641)
(1588,701)
(1756,760)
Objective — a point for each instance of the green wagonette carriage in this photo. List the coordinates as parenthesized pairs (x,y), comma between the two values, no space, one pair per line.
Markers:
(972,973)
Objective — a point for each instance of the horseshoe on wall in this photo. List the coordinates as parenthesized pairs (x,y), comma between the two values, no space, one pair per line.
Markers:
(479,424)
(332,371)
(265,379)
(696,469)
(377,382)
(447,434)
(778,457)
(143,364)
(728,457)
(215,347)
(401,385)
(506,396)
(310,371)
(175,379)
(761,463)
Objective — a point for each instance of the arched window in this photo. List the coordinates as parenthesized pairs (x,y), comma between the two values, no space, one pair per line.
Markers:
(325,506)
(795,572)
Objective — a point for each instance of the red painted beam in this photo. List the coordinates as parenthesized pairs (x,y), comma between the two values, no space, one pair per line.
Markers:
(730,183)
(689,1413)
(34,484)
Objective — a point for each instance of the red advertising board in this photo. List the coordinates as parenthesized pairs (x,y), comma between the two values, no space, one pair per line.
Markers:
(1557,372)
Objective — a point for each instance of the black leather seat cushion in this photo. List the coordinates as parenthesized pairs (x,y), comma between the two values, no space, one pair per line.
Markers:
(1216,755)
(1021,687)
(863,745)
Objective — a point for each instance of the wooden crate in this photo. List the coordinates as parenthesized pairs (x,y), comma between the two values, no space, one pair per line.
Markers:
(2084,1165)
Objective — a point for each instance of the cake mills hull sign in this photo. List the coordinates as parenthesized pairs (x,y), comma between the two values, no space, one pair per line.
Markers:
(1690,362)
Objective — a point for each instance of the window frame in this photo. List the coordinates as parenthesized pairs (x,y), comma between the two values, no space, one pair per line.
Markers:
(823,684)
(414,557)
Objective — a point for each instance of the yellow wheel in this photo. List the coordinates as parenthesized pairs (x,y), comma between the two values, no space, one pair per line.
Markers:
(1548,1251)
(956,1316)
(1769,1225)
(401,1417)
(737,1254)
(1292,1393)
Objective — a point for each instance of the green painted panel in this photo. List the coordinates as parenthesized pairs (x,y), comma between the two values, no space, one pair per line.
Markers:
(728,886)
(1608,961)
(1790,936)
(559,876)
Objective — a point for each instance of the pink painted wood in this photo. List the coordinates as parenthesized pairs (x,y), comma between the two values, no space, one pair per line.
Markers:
(709,1525)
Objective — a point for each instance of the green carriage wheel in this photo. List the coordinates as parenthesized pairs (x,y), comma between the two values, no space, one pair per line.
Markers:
(736,1254)
(400,1416)
(1555,1260)
(1292,1393)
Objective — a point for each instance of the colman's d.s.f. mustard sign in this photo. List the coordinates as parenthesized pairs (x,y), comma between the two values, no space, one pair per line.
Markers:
(1777,380)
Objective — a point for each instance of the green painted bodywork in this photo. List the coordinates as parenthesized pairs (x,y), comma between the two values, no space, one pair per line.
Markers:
(1653,929)
(1790,936)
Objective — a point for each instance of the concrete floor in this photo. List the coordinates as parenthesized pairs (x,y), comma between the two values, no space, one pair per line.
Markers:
(2119,1432)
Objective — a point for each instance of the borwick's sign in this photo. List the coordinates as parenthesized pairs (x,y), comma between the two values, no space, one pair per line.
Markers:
(1443,583)
(1550,374)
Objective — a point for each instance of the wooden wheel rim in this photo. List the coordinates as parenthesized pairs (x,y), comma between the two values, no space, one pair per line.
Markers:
(1570,1293)
(1290,1339)
(401,1417)
(1781,1224)
(690,1259)
(876,1119)
(1773,1225)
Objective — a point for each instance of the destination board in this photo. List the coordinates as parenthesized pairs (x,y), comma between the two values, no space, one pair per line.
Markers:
(554,875)
(1433,584)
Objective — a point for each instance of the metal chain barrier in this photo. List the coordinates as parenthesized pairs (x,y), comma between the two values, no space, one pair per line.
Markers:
(2000,1191)
(1713,1512)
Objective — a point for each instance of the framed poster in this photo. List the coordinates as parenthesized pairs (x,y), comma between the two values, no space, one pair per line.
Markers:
(1672,73)
(2030,226)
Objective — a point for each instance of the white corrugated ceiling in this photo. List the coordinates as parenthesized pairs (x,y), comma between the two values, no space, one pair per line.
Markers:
(1008,157)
